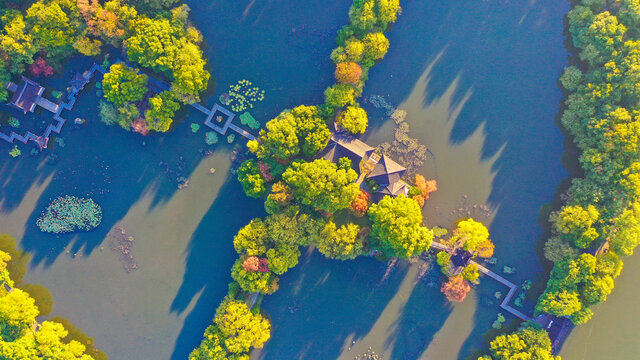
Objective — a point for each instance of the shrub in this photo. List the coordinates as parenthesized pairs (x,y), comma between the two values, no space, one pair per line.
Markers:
(15,152)
(210,138)
(70,213)
(108,113)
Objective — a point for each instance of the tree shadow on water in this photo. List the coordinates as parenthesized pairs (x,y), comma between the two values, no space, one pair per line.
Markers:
(323,305)
(205,280)
(422,317)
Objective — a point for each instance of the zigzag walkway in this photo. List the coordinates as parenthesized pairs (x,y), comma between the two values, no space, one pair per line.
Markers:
(512,287)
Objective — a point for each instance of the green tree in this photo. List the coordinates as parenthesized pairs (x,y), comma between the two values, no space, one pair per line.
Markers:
(162,108)
(529,342)
(342,243)
(154,44)
(252,240)
(376,46)
(311,130)
(241,328)
(471,273)
(252,281)
(16,42)
(559,303)
(339,95)
(354,119)
(571,78)
(470,234)
(189,74)
(282,257)
(573,223)
(626,234)
(397,228)
(52,26)
(17,312)
(279,139)
(322,185)
(252,181)
(123,85)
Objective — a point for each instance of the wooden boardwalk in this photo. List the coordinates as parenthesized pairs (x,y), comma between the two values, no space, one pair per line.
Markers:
(512,287)
(227,124)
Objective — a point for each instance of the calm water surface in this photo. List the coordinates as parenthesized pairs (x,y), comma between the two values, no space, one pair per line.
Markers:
(478,80)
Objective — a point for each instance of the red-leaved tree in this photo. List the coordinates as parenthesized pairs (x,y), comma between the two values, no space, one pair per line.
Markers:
(360,205)
(40,67)
(456,289)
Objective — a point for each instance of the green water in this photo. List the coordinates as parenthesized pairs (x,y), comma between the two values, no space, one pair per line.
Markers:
(478,81)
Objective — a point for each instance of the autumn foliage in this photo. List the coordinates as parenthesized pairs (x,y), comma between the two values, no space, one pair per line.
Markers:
(425,188)
(456,289)
(265,171)
(485,250)
(361,203)
(40,67)
(254,263)
(348,72)
(140,126)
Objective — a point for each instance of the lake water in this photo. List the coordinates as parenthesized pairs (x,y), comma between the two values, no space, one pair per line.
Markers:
(479,83)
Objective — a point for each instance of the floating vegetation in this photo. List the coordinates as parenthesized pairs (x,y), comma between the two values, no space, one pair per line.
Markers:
(406,150)
(231,138)
(195,127)
(499,321)
(70,213)
(464,208)
(60,142)
(497,295)
(210,137)
(519,301)
(15,152)
(247,119)
(56,94)
(243,95)
(14,122)
(526,285)
(380,102)
(183,182)
(225,99)
(509,269)
(122,244)
(369,355)
(492,260)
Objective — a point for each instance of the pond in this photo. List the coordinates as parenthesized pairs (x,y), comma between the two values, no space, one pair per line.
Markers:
(480,94)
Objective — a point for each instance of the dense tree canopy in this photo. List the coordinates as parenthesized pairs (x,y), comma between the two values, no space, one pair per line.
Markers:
(397,229)
(348,72)
(470,234)
(322,185)
(354,119)
(162,108)
(528,343)
(234,331)
(342,242)
(252,181)
(300,131)
(123,85)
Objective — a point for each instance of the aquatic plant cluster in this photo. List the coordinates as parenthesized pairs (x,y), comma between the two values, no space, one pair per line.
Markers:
(406,150)
(122,244)
(70,213)
(302,196)
(600,220)
(243,95)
